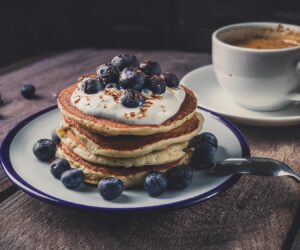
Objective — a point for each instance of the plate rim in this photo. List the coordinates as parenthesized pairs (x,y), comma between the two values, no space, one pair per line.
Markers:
(32,191)
(280,120)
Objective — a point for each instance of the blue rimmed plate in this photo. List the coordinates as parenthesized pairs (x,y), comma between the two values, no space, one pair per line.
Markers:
(34,177)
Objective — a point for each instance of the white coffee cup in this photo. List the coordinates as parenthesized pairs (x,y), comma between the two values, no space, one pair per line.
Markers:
(259,79)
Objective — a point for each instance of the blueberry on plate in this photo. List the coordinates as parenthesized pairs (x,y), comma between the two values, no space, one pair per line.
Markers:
(44,149)
(171,79)
(203,156)
(155,183)
(150,67)
(179,177)
(204,137)
(131,78)
(110,188)
(72,178)
(156,84)
(92,85)
(125,61)
(109,73)
(132,98)
(54,137)
(28,91)
(58,167)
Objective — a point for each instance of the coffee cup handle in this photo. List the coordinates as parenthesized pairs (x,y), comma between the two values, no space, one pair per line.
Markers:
(295,97)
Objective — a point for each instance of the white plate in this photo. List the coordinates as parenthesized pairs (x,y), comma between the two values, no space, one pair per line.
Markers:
(34,176)
(211,96)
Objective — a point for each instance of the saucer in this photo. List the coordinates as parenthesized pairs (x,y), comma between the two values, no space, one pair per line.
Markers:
(210,96)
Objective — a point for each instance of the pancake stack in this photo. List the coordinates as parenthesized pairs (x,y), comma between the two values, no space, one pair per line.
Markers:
(102,147)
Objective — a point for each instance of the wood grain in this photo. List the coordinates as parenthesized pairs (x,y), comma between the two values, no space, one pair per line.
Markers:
(256,213)
(296,244)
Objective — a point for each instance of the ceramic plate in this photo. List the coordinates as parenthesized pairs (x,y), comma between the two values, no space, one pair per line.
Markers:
(34,176)
(211,96)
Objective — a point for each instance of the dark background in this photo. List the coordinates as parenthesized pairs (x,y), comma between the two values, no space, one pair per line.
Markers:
(32,27)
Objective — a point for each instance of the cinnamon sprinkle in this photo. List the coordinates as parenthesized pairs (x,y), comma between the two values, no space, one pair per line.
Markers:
(77,100)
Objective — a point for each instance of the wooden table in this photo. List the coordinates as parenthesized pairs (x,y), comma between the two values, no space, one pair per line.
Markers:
(256,213)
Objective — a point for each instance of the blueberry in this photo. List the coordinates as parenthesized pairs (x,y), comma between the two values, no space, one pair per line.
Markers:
(58,167)
(131,78)
(44,149)
(179,177)
(54,137)
(132,98)
(150,67)
(203,156)
(28,91)
(155,183)
(125,61)
(204,137)
(72,178)
(156,84)
(108,73)
(110,188)
(171,79)
(92,85)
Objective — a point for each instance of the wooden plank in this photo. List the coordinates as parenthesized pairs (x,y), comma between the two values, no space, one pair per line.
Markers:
(296,244)
(6,187)
(256,213)
(241,218)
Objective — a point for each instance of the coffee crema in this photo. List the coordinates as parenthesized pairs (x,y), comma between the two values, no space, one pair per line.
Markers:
(263,38)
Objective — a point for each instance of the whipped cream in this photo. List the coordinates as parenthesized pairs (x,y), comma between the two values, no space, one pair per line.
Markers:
(107,104)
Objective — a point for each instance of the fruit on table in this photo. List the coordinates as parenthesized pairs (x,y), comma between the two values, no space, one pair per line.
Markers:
(28,91)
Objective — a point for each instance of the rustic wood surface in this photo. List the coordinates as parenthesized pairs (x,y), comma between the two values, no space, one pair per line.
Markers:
(296,244)
(256,213)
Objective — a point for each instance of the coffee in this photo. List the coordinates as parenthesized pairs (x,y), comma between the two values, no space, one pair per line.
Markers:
(262,38)
(259,79)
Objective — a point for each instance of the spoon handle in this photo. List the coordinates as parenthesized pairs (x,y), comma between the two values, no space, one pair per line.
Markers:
(255,166)
(296,177)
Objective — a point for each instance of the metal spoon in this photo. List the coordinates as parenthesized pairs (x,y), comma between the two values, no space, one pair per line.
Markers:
(254,165)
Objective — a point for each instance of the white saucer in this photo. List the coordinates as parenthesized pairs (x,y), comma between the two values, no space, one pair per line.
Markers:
(211,97)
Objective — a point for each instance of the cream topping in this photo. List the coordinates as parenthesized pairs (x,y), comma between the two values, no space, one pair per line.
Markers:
(107,104)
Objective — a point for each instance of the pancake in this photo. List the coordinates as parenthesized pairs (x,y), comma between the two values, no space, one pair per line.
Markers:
(133,146)
(170,154)
(114,128)
(130,176)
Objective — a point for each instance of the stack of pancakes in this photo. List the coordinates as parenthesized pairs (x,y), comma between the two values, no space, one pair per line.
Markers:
(102,147)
